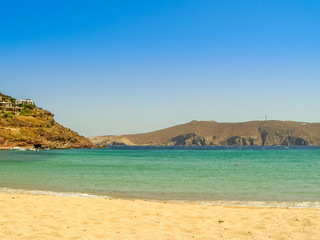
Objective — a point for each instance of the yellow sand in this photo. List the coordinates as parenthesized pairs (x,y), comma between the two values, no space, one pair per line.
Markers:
(33,217)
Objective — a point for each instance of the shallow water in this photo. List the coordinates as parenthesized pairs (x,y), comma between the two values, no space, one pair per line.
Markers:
(249,175)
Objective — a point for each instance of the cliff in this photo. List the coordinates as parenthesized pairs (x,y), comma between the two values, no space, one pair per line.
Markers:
(206,133)
(25,124)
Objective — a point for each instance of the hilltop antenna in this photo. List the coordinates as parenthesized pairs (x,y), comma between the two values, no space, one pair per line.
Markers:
(266,117)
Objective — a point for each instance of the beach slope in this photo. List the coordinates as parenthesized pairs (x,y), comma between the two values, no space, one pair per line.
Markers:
(33,217)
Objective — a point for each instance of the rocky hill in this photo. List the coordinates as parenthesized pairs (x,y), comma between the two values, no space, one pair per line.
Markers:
(206,133)
(25,124)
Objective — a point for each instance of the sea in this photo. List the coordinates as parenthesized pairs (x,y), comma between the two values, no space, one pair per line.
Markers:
(232,176)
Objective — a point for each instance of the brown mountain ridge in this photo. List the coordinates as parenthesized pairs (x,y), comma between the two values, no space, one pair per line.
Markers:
(211,133)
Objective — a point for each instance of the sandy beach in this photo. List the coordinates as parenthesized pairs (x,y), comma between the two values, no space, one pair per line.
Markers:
(25,216)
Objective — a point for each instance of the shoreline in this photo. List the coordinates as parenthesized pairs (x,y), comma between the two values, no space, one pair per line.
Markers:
(32,147)
(27,216)
(265,147)
(222,203)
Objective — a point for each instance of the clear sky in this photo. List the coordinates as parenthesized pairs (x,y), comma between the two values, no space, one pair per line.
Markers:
(116,67)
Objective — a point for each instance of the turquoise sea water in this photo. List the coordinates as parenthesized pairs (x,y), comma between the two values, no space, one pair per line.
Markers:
(189,174)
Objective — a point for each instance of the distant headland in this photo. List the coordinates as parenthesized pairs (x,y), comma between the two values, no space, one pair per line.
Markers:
(211,133)
(23,124)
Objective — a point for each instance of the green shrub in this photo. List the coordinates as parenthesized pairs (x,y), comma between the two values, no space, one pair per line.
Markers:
(28,106)
(8,115)
(25,112)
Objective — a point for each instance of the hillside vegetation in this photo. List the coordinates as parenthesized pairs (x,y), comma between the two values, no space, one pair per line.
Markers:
(32,125)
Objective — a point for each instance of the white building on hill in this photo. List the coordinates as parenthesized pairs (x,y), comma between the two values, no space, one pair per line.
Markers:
(21,102)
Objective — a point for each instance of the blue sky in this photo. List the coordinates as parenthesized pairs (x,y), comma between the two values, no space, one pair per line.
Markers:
(116,67)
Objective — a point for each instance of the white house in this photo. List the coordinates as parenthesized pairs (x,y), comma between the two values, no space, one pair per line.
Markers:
(27,101)
(18,101)
(4,104)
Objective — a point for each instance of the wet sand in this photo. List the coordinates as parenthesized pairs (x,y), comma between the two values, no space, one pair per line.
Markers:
(24,216)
